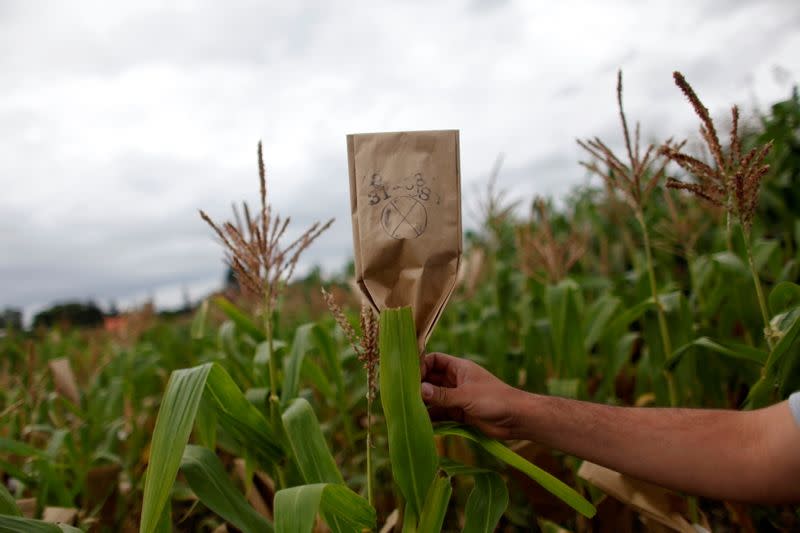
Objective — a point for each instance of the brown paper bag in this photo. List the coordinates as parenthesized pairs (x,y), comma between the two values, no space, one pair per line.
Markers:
(405,197)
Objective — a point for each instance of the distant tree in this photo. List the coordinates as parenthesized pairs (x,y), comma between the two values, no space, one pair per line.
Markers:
(76,314)
(11,319)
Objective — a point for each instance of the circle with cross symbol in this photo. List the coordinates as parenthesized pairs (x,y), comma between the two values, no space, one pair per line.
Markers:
(404,217)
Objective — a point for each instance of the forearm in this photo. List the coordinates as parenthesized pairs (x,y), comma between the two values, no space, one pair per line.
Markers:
(718,454)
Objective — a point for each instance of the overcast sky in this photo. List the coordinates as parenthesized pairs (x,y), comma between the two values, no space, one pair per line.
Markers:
(119,119)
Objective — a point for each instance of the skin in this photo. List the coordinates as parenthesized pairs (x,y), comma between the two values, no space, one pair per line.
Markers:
(747,456)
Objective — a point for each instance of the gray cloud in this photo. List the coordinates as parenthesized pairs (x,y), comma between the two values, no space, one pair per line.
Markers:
(118,121)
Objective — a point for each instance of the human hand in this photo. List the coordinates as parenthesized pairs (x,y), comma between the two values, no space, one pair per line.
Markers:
(458,389)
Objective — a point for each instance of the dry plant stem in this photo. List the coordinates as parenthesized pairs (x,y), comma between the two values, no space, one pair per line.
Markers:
(365,347)
(369,452)
(662,319)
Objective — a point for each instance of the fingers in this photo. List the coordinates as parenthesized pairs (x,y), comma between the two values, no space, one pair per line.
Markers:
(440,361)
(436,396)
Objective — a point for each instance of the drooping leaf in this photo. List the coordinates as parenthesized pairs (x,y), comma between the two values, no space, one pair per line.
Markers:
(731,349)
(487,500)
(240,318)
(242,420)
(8,505)
(545,479)
(411,447)
(731,262)
(784,296)
(631,314)
(206,422)
(343,509)
(16,524)
(311,452)
(598,316)
(19,448)
(238,418)
(486,503)
(209,481)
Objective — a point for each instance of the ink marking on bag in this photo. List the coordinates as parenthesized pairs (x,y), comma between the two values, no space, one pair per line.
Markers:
(404,216)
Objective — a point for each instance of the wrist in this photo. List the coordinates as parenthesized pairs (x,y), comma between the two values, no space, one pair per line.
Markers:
(519,407)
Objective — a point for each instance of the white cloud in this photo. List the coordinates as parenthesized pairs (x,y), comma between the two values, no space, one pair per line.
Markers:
(117,121)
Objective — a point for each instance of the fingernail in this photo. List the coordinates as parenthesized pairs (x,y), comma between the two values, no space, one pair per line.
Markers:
(427,391)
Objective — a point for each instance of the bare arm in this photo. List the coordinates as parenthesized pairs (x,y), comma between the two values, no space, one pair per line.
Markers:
(749,456)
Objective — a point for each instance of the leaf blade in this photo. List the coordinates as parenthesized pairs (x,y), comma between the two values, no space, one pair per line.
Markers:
(209,481)
(552,484)
(411,448)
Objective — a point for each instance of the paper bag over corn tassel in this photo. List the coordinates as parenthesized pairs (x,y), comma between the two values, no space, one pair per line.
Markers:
(405,197)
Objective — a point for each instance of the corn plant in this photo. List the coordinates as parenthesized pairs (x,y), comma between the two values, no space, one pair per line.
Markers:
(289,444)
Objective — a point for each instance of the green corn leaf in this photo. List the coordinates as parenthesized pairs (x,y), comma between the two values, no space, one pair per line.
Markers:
(11,446)
(176,417)
(731,349)
(199,321)
(206,423)
(454,468)
(164,524)
(598,316)
(229,346)
(564,305)
(311,453)
(487,500)
(546,480)
(432,516)
(173,426)
(293,364)
(209,481)
(486,503)
(565,388)
(326,345)
(411,447)
(240,318)
(312,372)
(784,296)
(762,393)
(16,524)
(631,314)
(8,505)
(342,509)
(730,262)
(242,420)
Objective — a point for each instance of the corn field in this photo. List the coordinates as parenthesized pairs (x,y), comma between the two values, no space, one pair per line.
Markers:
(285,406)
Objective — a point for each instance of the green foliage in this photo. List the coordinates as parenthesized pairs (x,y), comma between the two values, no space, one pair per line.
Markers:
(410,433)
(345,511)
(207,477)
(187,401)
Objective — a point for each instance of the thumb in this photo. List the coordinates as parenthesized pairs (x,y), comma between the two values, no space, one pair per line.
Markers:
(441,396)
